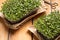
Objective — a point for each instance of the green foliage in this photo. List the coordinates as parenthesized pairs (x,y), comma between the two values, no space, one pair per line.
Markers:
(15,10)
(49,25)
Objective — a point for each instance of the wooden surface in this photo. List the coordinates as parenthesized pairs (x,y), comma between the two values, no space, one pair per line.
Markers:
(3,29)
(3,32)
(22,33)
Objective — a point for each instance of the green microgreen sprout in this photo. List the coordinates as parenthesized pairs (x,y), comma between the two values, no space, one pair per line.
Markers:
(15,10)
(49,25)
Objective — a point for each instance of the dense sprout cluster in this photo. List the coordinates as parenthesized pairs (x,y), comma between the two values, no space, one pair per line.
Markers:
(15,10)
(49,25)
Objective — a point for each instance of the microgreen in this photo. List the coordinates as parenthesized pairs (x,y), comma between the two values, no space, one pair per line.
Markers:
(15,10)
(49,25)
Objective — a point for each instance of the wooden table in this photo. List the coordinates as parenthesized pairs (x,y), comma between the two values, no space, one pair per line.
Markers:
(22,33)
